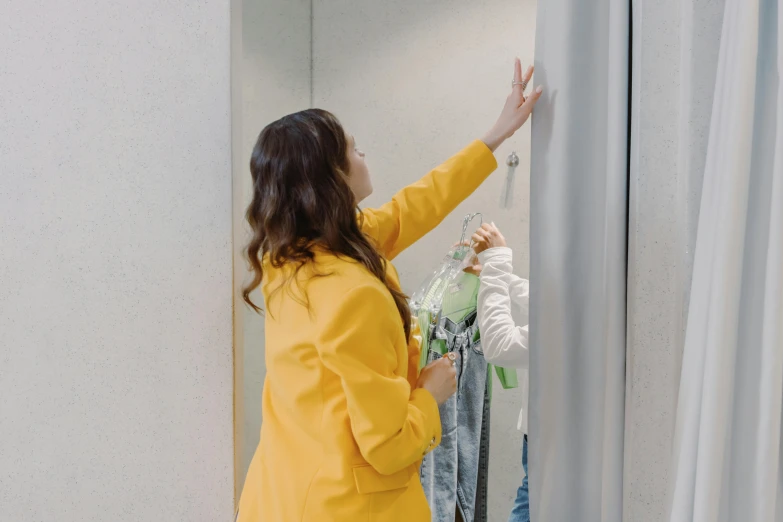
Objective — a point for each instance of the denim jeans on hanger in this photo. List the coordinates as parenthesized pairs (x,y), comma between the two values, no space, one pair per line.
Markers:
(454,475)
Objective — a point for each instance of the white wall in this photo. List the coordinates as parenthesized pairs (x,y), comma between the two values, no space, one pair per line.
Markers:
(414,82)
(115,226)
(676,46)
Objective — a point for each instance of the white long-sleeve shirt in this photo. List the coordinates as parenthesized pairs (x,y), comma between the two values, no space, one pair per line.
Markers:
(503,304)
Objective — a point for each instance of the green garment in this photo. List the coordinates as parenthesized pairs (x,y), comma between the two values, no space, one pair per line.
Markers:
(459,301)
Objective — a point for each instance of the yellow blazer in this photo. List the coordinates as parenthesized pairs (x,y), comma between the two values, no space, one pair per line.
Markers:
(344,430)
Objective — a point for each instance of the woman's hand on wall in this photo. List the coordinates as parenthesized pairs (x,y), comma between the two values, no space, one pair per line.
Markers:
(517,109)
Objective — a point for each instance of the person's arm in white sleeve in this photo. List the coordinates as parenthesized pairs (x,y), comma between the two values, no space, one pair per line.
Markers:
(503,310)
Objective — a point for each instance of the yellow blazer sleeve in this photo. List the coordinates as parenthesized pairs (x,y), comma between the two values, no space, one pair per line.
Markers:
(420,207)
(393,426)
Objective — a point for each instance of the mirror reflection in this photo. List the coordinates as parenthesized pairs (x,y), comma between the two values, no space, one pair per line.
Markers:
(387,373)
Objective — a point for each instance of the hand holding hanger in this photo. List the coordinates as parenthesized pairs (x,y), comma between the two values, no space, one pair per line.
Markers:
(486,237)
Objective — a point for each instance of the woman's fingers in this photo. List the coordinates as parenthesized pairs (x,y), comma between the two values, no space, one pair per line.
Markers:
(520,81)
(517,71)
(528,75)
(490,229)
(531,100)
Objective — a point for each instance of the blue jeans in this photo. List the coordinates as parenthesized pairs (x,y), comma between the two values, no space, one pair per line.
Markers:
(521,511)
(454,475)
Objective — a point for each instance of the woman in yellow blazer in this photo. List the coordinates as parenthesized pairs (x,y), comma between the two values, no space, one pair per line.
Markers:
(346,416)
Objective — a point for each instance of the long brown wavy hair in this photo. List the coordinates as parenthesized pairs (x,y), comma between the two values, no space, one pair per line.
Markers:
(302,200)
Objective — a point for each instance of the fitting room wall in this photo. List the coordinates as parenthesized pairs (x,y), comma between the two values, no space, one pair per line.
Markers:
(675,60)
(115,226)
(414,82)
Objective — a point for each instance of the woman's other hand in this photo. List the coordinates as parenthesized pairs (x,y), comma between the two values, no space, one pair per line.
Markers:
(517,109)
(440,378)
(488,236)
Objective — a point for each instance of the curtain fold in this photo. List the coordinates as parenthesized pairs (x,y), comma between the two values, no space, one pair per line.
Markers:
(726,464)
(579,174)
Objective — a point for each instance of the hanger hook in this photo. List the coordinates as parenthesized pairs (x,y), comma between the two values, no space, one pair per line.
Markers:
(465,222)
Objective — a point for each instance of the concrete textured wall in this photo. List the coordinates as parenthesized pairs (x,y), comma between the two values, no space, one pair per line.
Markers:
(675,56)
(115,226)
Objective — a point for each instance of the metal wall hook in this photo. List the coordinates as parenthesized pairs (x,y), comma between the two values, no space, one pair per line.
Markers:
(507,196)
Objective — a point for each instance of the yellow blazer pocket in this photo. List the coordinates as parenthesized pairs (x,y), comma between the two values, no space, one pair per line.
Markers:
(370,481)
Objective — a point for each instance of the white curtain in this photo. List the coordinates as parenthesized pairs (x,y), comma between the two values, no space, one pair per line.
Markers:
(578,261)
(727,458)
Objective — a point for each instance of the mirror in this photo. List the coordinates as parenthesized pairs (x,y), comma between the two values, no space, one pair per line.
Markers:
(414,82)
